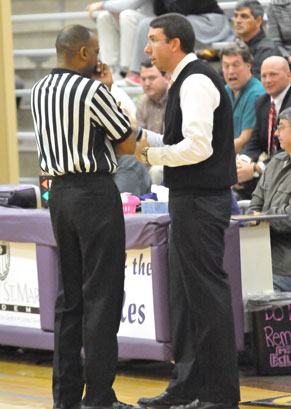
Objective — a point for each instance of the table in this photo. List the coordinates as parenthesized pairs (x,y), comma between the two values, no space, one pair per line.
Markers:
(147,238)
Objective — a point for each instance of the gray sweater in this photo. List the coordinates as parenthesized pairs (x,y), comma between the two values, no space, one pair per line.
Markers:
(273,196)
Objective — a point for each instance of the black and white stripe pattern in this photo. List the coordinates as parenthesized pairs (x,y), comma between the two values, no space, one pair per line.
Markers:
(76,122)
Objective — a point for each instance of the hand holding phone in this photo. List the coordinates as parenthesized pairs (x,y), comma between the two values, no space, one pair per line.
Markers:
(103,74)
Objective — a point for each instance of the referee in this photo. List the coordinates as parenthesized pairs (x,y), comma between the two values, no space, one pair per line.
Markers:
(79,129)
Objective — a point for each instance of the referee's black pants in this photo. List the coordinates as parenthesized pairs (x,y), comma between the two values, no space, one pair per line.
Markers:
(201,313)
(88,224)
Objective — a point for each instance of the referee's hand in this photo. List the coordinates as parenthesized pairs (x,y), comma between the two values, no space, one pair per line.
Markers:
(103,74)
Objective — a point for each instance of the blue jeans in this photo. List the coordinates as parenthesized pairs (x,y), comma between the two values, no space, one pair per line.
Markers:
(281,283)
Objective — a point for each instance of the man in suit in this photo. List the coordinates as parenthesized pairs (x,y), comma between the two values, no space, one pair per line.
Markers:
(199,168)
(276,78)
(247,24)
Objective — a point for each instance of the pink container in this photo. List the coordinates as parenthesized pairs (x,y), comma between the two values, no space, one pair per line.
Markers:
(129,203)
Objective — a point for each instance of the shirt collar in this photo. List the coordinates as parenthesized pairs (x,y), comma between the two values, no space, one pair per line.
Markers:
(182,64)
(64,71)
(279,99)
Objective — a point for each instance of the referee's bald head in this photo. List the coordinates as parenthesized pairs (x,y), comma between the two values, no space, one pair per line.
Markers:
(71,38)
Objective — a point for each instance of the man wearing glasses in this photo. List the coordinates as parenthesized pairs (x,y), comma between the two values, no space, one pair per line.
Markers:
(273,196)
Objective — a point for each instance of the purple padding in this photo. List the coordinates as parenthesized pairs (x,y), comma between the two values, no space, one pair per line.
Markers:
(47,270)
(232,266)
(26,337)
(136,348)
(160,280)
(26,226)
(144,230)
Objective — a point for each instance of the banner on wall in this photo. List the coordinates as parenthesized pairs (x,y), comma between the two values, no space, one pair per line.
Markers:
(19,300)
(19,296)
(137,319)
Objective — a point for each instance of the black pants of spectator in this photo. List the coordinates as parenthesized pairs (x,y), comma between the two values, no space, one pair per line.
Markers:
(88,224)
(200,298)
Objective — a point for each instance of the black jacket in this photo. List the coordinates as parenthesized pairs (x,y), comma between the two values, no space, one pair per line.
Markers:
(261,47)
(258,142)
(186,7)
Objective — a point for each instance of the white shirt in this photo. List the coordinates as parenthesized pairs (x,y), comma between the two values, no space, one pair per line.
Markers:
(198,100)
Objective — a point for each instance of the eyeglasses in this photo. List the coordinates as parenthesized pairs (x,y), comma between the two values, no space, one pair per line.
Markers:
(156,41)
(281,127)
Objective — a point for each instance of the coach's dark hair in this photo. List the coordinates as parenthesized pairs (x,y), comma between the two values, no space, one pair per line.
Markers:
(255,6)
(176,26)
(71,38)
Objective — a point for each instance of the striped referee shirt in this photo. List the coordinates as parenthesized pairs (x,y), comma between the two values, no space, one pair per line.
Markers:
(77,122)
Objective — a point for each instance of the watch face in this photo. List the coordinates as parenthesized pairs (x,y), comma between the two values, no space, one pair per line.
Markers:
(144,155)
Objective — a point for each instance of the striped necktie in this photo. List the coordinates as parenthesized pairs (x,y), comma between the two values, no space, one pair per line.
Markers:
(271,129)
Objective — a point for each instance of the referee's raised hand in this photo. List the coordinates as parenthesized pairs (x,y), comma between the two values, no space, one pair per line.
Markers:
(103,74)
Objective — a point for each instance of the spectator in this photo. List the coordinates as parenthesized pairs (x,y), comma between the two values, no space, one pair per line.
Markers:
(207,19)
(248,19)
(242,88)
(151,107)
(278,25)
(131,176)
(273,196)
(117,21)
(251,162)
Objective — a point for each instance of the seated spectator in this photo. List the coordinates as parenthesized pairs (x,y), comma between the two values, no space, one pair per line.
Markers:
(278,25)
(116,27)
(207,18)
(242,88)
(273,196)
(151,107)
(247,22)
(262,145)
(131,176)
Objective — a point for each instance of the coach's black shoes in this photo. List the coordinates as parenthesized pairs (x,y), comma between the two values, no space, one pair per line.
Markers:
(164,400)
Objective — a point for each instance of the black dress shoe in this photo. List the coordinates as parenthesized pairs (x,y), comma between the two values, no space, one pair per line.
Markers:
(115,405)
(164,400)
(198,404)
(62,406)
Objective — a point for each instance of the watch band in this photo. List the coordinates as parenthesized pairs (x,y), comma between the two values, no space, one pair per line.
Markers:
(138,133)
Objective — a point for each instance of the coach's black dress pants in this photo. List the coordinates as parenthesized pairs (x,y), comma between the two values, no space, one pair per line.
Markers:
(201,313)
(88,224)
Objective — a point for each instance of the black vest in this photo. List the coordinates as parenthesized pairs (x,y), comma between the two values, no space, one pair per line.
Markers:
(219,170)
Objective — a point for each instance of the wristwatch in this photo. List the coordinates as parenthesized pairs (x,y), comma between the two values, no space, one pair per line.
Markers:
(144,155)
(256,173)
